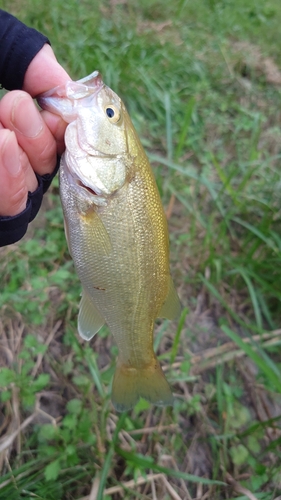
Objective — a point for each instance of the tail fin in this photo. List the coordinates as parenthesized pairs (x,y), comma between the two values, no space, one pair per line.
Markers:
(149,382)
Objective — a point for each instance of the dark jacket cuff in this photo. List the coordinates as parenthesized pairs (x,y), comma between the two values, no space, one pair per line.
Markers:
(13,228)
(19,45)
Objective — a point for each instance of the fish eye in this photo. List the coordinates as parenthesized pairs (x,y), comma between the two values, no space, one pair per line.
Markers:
(113,113)
(110,112)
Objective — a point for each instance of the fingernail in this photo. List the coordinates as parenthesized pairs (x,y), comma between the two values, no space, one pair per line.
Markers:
(26,118)
(10,154)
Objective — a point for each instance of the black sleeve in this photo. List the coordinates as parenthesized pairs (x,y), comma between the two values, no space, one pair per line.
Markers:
(18,46)
(13,228)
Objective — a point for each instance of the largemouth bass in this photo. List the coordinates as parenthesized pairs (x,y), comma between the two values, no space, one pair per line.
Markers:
(116,232)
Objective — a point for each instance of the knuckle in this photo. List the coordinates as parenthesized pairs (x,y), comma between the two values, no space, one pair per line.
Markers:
(12,203)
(46,157)
(19,197)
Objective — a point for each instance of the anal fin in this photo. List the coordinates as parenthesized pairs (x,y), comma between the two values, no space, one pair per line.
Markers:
(90,320)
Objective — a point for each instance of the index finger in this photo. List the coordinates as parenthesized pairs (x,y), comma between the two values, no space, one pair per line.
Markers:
(57,127)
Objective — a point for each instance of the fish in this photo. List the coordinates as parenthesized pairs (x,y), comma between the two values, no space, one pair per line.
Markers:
(117,234)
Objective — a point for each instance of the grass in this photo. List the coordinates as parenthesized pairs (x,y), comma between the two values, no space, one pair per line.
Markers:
(201,81)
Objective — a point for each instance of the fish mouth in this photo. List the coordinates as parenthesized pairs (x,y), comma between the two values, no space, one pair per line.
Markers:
(61,100)
(75,89)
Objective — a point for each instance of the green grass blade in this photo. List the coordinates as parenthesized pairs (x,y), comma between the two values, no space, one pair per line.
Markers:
(148,462)
(263,424)
(265,309)
(188,206)
(225,180)
(253,295)
(257,233)
(108,459)
(235,316)
(189,172)
(271,375)
(176,342)
(95,374)
(185,126)
(169,133)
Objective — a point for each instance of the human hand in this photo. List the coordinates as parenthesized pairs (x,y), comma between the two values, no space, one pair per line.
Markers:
(29,139)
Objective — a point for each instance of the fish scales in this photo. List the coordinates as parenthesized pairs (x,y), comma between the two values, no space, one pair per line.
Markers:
(117,236)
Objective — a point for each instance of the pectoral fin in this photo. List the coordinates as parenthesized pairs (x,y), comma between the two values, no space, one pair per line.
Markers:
(89,319)
(97,234)
(172,306)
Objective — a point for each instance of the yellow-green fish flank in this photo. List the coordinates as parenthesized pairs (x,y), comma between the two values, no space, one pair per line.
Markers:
(117,234)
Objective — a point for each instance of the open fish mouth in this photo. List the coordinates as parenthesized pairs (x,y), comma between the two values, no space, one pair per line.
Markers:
(75,89)
(61,99)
